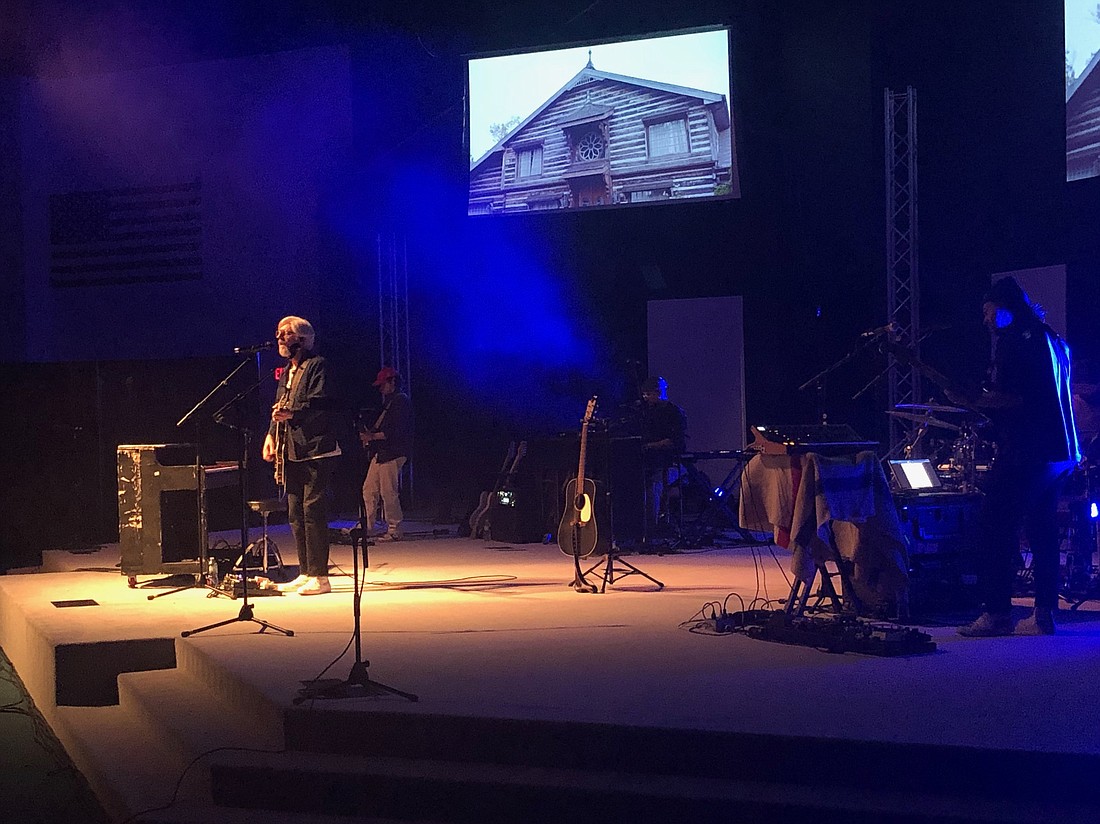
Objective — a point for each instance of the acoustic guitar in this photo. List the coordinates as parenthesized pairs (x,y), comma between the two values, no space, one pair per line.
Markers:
(577,531)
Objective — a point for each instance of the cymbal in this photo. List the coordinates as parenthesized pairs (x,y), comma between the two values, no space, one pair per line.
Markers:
(925,419)
(929,407)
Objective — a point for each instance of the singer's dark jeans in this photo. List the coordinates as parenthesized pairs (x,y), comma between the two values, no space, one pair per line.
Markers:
(307,484)
(1015,494)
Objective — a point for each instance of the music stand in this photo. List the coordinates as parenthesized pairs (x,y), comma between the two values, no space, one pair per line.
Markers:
(358,684)
(246,613)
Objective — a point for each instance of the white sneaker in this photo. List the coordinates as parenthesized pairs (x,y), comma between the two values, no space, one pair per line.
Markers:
(988,625)
(1041,622)
(293,586)
(315,586)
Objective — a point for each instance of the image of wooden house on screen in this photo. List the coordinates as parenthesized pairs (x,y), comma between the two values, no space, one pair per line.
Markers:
(609,140)
(1082,120)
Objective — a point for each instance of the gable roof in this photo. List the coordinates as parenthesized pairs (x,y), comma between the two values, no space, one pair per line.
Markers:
(1071,90)
(589,74)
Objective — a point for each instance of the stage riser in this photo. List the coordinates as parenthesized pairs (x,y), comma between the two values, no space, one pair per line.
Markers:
(238,695)
(858,765)
(87,674)
(433,792)
(454,753)
(443,801)
(190,716)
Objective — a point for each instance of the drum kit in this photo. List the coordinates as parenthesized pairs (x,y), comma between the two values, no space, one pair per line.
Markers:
(964,455)
(961,459)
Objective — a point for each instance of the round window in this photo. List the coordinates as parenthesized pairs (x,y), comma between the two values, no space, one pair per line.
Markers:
(590,147)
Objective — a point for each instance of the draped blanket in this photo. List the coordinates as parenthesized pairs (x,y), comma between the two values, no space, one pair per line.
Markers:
(820,507)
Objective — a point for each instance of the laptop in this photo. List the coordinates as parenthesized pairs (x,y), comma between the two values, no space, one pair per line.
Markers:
(916,474)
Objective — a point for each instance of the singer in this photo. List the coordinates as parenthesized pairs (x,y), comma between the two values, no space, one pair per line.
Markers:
(303,401)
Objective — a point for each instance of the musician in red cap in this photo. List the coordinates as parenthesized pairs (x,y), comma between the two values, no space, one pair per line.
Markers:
(388,442)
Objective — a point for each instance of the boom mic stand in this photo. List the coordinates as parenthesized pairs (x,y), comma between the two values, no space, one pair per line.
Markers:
(358,684)
(818,380)
(246,613)
(200,481)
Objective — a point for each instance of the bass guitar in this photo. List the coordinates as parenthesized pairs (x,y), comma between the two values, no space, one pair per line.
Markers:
(577,531)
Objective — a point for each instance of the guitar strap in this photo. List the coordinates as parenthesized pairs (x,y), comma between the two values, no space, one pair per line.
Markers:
(381,415)
(373,450)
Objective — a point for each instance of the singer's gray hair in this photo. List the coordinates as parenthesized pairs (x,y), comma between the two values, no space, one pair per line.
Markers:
(302,328)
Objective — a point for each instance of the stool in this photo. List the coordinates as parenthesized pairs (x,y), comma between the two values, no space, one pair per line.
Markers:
(265,548)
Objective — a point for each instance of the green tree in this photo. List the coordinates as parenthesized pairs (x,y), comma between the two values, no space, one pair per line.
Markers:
(498,130)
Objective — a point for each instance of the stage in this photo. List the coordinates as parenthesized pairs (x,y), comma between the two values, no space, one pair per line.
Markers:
(526,686)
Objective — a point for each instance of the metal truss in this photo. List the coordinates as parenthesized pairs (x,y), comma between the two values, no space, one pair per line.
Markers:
(902,272)
(393,317)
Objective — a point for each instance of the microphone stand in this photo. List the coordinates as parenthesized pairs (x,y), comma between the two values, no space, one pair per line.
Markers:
(200,485)
(246,613)
(818,380)
(358,684)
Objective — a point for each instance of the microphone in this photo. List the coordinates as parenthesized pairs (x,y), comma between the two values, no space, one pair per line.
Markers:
(252,350)
(879,330)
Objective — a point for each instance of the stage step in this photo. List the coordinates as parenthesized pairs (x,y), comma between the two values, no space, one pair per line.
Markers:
(860,766)
(464,769)
(496,794)
(191,717)
(135,752)
(127,765)
(211,814)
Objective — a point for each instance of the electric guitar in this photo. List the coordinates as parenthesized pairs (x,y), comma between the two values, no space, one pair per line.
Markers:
(365,432)
(280,455)
(279,439)
(479,517)
(577,530)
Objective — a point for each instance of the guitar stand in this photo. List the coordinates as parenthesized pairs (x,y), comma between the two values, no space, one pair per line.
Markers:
(613,573)
(582,585)
(579,582)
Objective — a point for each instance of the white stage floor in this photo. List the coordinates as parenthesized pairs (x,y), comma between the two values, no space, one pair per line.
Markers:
(478,628)
(483,629)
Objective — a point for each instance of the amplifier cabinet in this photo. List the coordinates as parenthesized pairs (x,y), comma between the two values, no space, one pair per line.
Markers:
(161,515)
(942,532)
